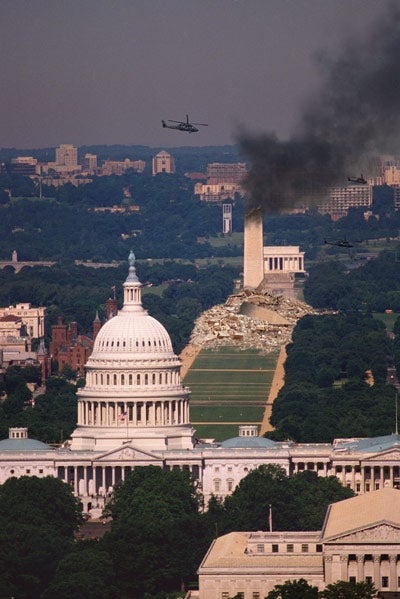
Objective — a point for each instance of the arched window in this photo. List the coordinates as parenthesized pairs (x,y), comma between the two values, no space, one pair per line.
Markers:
(153,379)
(130,379)
(138,379)
(122,379)
(115,379)
(108,379)
(146,379)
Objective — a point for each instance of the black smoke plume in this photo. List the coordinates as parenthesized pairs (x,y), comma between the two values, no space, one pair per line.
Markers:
(355,114)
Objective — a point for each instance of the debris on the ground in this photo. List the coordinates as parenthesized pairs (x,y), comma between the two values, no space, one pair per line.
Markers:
(270,325)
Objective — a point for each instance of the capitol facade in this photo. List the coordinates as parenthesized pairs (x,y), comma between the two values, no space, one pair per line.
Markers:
(134,411)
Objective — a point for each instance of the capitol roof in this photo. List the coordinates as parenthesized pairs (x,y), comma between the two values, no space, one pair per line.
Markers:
(16,445)
(248,442)
(132,330)
(371,445)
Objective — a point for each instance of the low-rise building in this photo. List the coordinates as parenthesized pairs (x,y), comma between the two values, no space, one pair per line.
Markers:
(359,541)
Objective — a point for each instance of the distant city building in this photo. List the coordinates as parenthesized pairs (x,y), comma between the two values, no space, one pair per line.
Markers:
(24,165)
(226,219)
(33,319)
(217,193)
(163,163)
(67,155)
(341,199)
(114,167)
(218,172)
(69,348)
(391,175)
(89,163)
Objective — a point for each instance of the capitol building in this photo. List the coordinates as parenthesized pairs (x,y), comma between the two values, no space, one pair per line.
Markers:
(134,411)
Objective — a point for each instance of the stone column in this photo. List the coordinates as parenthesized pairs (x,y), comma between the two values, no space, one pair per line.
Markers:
(381,478)
(85,482)
(76,488)
(360,568)
(377,570)
(344,560)
(392,573)
(328,569)
(391,476)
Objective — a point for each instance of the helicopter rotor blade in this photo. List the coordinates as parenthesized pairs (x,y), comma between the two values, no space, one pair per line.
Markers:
(171,121)
(202,124)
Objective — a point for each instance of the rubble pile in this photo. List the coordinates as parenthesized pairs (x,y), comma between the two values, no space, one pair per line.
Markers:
(225,325)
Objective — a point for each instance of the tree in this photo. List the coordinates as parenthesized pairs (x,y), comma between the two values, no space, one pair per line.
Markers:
(349,590)
(298,503)
(293,589)
(38,518)
(86,571)
(158,536)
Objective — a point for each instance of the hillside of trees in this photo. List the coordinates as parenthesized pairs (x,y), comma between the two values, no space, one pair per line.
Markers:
(328,392)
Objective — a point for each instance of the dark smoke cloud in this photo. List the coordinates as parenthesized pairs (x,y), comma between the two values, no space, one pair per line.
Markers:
(355,114)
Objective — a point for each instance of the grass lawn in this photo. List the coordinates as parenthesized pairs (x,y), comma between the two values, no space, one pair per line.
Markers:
(233,380)
(221,414)
(217,432)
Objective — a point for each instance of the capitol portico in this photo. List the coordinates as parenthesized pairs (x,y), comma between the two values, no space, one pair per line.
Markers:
(134,411)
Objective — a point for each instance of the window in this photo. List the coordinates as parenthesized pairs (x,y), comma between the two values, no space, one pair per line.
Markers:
(290,548)
(358,487)
(385,582)
(352,579)
(304,548)
(230,485)
(225,595)
(369,579)
(256,595)
(275,548)
(260,548)
(240,595)
(217,485)
(318,548)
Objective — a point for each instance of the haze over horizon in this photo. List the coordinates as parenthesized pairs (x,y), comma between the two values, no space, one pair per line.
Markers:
(100,72)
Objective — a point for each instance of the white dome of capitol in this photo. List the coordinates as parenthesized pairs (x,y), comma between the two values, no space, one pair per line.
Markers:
(127,333)
(132,330)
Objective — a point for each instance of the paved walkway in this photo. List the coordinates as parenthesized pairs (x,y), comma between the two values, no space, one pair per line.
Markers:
(188,356)
(277,384)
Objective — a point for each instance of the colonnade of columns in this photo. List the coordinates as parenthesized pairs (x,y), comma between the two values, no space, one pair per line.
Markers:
(97,482)
(360,478)
(135,413)
(284,263)
(381,569)
(159,379)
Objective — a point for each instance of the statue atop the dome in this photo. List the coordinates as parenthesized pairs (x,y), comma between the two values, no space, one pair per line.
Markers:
(132,276)
(131,258)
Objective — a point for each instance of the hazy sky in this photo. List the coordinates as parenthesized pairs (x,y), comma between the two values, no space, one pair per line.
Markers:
(107,71)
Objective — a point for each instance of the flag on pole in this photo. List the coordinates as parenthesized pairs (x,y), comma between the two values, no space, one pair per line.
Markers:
(122,416)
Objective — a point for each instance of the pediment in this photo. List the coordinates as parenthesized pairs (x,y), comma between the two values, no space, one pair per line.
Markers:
(384,532)
(389,455)
(128,453)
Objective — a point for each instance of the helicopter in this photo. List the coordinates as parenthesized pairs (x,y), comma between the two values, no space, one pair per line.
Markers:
(342,243)
(360,180)
(183,125)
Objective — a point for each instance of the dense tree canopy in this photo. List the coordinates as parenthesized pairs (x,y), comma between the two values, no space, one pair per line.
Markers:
(158,536)
(331,363)
(38,518)
(297,503)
